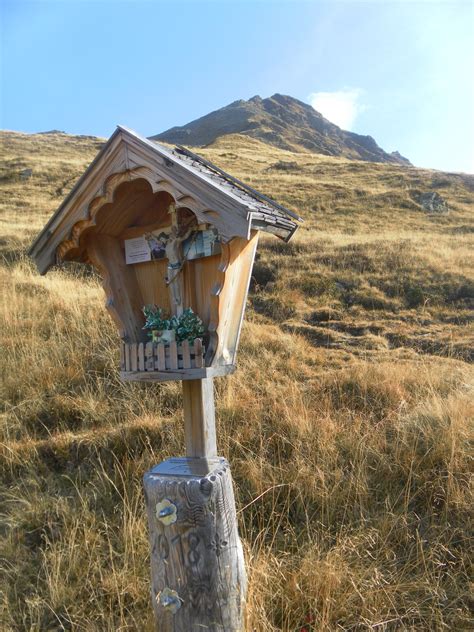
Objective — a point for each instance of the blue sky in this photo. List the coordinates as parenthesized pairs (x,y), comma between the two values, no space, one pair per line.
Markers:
(400,71)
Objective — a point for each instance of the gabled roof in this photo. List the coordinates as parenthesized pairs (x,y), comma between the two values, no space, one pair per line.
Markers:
(215,196)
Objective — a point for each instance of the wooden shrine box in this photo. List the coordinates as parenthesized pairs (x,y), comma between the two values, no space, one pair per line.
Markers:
(120,217)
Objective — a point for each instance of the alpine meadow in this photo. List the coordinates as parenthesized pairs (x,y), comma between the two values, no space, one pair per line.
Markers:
(348,422)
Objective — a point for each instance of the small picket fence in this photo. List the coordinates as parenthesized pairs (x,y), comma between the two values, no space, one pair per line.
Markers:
(152,356)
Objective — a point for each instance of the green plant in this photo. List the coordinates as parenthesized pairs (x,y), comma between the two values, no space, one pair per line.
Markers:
(155,320)
(187,326)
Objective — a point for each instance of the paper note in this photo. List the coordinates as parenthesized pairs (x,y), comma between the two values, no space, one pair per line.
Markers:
(137,250)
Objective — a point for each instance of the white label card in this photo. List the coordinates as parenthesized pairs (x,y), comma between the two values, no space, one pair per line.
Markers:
(137,250)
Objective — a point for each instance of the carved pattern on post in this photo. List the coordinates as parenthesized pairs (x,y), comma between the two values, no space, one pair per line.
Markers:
(199,556)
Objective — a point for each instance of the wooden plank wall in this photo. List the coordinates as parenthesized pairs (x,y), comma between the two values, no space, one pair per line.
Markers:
(150,277)
(200,276)
(233,297)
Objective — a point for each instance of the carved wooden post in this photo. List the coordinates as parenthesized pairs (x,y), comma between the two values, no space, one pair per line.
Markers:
(197,564)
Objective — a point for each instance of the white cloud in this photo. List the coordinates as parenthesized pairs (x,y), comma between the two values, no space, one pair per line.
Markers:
(339,107)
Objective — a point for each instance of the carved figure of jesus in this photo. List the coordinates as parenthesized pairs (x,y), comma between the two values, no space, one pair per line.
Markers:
(174,254)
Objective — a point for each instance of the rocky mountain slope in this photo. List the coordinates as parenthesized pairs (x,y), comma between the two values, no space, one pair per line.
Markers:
(284,122)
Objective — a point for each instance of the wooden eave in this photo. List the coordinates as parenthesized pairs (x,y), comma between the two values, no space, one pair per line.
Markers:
(127,156)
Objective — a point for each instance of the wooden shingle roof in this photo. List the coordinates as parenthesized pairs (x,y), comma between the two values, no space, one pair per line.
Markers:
(270,214)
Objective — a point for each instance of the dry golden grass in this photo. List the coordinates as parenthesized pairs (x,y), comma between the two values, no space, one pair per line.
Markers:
(347,424)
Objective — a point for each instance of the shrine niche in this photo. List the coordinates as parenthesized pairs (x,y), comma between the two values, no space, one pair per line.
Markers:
(173,238)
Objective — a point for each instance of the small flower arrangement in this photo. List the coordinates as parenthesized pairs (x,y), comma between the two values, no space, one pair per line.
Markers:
(187,326)
(155,320)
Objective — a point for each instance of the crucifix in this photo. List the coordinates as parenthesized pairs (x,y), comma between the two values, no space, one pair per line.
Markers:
(176,259)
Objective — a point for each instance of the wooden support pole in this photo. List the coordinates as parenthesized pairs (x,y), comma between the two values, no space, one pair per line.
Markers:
(199,418)
(197,564)
(198,573)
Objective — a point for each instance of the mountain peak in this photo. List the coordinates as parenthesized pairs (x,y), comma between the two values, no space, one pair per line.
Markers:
(283,121)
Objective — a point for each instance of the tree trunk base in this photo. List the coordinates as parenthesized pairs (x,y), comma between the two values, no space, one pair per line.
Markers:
(197,564)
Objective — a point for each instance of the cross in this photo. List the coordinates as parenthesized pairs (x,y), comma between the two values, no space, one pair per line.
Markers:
(176,259)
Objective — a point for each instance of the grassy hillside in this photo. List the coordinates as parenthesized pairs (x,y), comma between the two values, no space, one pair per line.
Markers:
(347,423)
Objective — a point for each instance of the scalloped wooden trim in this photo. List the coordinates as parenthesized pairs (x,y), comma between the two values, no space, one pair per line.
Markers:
(106,196)
(74,242)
